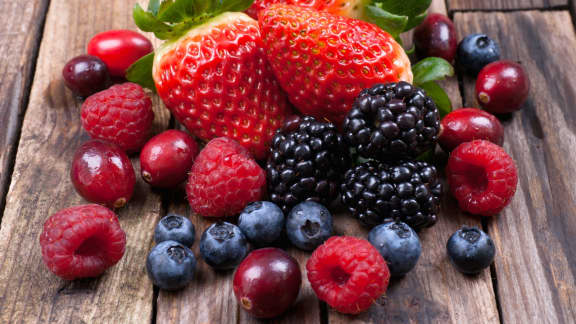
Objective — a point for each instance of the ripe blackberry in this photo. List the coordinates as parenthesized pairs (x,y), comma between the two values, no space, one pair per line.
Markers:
(409,192)
(307,162)
(395,121)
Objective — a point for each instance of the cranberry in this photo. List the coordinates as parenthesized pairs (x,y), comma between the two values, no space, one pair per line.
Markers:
(502,87)
(119,49)
(436,36)
(166,159)
(267,282)
(468,124)
(102,173)
(85,75)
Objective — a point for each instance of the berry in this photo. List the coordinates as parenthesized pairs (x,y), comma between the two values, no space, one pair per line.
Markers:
(170,265)
(102,173)
(392,122)
(262,222)
(119,49)
(409,192)
(470,250)
(223,246)
(224,179)
(476,51)
(308,225)
(82,241)
(173,227)
(307,161)
(467,124)
(167,158)
(398,244)
(502,87)
(85,75)
(323,61)
(436,36)
(267,282)
(216,80)
(482,177)
(121,114)
(348,273)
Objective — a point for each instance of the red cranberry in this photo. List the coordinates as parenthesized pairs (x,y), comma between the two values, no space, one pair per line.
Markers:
(468,124)
(85,75)
(167,157)
(502,87)
(267,282)
(436,36)
(102,173)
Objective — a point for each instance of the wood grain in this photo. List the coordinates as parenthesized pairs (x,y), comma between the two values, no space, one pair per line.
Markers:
(535,259)
(19,43)
(40,186)
(504,4)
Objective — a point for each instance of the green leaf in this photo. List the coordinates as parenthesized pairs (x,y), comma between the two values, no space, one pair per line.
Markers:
(175,11)
(153,6)
(431,69)
(414,21)
(147,22)
(439,97)
(141,72)
(408,8)
(391,23)
(235,5)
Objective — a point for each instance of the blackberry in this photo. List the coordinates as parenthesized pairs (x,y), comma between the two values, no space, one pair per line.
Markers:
(395,121)
(376,192)
(307,161)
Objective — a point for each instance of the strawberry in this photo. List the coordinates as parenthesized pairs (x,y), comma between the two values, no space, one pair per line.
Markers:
(323,61)
(212,71)
(348,8)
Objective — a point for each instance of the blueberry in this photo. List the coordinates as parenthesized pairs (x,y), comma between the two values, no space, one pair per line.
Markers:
(476,51)
(171,265)
(176,228)
(223,246)
(308,225)
(398,244)
(470,250)
(262,222)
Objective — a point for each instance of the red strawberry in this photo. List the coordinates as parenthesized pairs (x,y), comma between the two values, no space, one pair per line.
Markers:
(323,61)
(348,8)
(214,77)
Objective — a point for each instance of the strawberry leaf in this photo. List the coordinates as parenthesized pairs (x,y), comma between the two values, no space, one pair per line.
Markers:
(147,22)
(431,69)
(410,8)
(439,96)
(391,23)
(415,21)
(154,6)
(141,72)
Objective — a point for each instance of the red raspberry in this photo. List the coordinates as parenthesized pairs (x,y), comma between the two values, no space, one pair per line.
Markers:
(224,179)
(348,273)
(121,114)
(82,241)
(482,177)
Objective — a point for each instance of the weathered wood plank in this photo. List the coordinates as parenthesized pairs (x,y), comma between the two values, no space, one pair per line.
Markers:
(504,4)
(535,258)
(19,42)
(434,292)
(40,186)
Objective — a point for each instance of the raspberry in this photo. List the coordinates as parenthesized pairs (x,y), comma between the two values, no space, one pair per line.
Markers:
(82,241)
(224,179)
(121,114)
(482,177)
(348,273)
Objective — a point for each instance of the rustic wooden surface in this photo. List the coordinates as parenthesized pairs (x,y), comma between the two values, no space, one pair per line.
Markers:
(533,277)
(535,258)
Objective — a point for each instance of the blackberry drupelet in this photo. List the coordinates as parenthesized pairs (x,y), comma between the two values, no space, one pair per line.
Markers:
(396,121)
(376,192)
(307,161)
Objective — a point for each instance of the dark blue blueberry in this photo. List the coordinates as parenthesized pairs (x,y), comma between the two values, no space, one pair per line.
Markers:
(470,250)
(398,244)
(476,51)
(223,246)
(308,225)
(176,228)
(171,265)
(262,222)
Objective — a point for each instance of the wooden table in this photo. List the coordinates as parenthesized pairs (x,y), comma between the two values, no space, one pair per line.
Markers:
(532,279)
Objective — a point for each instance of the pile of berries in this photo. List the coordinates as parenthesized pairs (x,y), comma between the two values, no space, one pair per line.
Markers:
(359,139)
